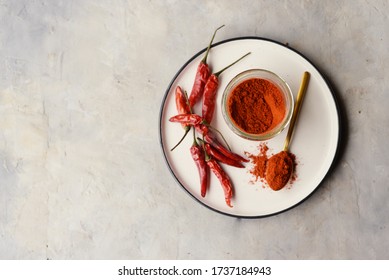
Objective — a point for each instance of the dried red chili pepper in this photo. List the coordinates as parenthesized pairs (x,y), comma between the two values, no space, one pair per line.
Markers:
(210,138)
(203,129)
(210,89)
(187,119)
(181,101)
(198,157)
(209,99)
(219,156)
(182,108)
(202,74)
(224,180)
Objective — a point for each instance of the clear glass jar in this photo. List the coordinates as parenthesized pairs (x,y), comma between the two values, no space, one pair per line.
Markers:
(275,80)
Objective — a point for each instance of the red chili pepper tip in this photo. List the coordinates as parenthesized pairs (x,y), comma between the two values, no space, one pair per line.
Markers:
(223,179)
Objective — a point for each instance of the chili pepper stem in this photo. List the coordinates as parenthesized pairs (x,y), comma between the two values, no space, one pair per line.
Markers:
(187,128)
(225,68)
(204,60)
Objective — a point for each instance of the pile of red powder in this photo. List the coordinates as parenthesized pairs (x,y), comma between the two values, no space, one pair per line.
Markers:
(259,162)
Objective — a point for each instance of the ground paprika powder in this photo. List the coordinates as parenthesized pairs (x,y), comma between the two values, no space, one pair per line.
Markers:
(273,171)
(256,105)
(279,169)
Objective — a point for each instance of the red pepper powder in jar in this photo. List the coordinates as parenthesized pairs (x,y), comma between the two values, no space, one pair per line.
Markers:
(256,105)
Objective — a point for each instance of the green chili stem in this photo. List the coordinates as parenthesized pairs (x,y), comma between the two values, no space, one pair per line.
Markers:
(187,128)
(225,68)
(204,60)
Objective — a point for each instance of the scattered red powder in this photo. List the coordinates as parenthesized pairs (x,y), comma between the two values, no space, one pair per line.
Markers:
(259,162)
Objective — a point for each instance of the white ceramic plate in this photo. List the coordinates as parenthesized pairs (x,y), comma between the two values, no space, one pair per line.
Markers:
(315,141)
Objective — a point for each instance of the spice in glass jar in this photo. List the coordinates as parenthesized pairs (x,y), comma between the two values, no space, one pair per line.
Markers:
(256,106)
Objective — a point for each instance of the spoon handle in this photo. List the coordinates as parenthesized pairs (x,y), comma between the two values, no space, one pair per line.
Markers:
(297,107)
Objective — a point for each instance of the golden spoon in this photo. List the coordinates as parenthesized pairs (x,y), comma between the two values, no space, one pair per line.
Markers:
(297,107)
(280,166)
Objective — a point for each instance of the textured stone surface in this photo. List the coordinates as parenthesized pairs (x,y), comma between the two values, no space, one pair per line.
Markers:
(82,174)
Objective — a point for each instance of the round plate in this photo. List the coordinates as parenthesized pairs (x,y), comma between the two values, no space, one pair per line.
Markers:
(315,141)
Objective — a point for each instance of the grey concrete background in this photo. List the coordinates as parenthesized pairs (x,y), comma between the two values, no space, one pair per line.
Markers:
(82,174)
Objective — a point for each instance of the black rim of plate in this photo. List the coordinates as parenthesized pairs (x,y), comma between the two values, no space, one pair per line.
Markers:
(224,42)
